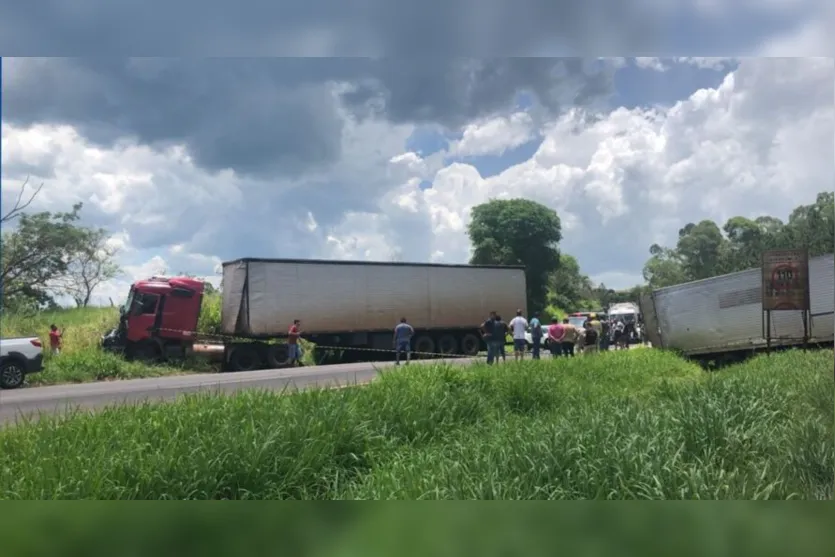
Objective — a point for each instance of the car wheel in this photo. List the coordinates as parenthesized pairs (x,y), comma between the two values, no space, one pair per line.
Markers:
(11,375)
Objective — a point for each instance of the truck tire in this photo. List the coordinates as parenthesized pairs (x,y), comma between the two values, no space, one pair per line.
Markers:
(471,344)
(448,344)
(12,374)
(425,344)
(145,351)
(245,357)
(277,355)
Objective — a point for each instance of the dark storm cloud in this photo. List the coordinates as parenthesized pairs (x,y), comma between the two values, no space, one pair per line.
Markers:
(326,27)
(276,116)
(455,93)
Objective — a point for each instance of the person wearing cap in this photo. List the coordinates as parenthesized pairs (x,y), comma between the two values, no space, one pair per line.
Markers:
(594,323)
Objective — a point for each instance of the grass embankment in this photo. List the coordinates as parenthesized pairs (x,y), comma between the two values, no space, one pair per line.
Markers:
(639,424)
(81,360)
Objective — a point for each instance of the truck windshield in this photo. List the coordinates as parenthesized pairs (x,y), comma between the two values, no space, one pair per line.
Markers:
(129,302)
(625,317)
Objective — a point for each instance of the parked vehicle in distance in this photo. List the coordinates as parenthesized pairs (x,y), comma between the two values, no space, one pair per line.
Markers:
(629,313)
(348,308)
(19,356)
(721,318)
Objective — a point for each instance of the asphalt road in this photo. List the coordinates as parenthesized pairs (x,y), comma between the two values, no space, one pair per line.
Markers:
(89,396)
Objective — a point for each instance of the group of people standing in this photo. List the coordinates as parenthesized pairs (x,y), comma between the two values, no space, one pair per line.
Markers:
(495,331)
(561,338)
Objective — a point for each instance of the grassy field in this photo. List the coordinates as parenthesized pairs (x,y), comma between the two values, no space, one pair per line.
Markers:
(81,360)
(642,424)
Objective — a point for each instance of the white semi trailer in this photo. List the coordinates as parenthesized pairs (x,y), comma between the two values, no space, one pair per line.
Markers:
(722,317)
(354,306)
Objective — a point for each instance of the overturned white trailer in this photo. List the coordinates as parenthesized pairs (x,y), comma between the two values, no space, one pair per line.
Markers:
(722,315)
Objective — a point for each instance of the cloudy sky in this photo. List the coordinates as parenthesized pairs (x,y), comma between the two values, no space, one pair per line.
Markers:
(189,163)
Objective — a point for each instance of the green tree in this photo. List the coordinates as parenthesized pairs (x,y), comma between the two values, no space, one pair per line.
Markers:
(703,251)
(568,286)
(518,232)
(813,226)
(747,239)
(90,264)
(48,254)
(37,253)
(700,248)
(664,268)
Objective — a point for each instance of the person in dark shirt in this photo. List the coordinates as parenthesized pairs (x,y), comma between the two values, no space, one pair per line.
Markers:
(605,336)
(403,334)
(501,338)
(592,337)
(488,329)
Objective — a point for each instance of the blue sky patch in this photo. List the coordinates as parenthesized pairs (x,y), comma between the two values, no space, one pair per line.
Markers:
(643,87)
(426,140)
(491,165)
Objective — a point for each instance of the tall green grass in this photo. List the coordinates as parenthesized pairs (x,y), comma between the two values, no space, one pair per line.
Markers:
(642,424)
(81,360)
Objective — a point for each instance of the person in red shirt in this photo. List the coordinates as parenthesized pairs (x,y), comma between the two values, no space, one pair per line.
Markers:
(294,356)
(55,339)
(556,334)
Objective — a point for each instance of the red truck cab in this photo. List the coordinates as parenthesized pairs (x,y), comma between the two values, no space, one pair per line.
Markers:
(159,318)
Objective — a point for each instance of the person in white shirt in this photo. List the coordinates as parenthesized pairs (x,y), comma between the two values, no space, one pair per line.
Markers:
(519,326)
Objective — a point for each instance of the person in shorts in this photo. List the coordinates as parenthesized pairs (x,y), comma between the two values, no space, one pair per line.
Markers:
(56,339)
(294,349)
(403,334)
(519,326)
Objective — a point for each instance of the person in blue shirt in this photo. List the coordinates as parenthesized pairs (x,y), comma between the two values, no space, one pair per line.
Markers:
(536,335)
(403,334)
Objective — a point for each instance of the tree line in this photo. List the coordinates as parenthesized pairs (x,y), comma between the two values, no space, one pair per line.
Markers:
(49,255)
(705,249)
(523,232)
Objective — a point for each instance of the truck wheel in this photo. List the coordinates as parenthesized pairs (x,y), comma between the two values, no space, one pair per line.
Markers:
(448,344)
(11,375)
(245,357)
(425,344)
(145,351)
(471,344)
(277,355)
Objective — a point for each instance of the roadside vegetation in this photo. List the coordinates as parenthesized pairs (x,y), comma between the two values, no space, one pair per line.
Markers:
(81,360)
(641,424)
(49,257)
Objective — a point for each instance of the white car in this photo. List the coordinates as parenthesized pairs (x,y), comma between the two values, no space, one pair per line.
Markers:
(19,357)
